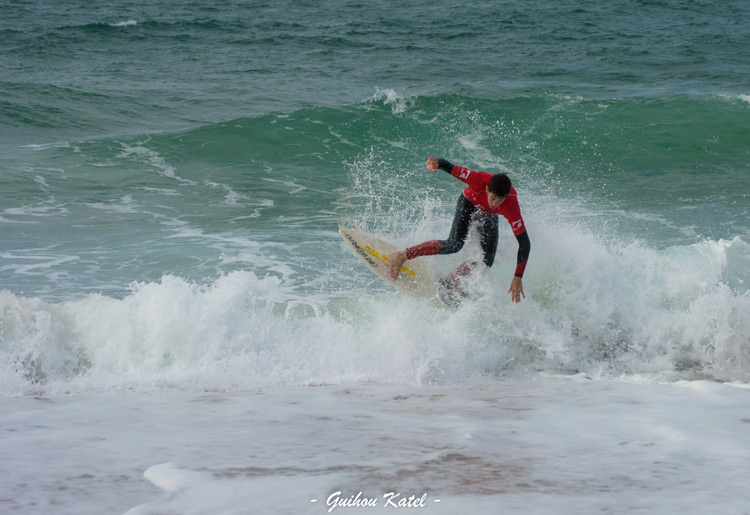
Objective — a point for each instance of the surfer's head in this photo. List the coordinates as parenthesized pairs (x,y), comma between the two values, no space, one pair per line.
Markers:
(497,189)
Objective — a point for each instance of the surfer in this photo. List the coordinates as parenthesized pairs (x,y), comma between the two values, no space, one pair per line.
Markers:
(485,197)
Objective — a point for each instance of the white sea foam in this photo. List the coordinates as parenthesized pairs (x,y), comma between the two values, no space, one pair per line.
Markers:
(126,23)
(630,310)
(399,103)
(744,98)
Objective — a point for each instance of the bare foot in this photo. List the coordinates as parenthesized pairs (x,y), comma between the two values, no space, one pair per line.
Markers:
(395,261)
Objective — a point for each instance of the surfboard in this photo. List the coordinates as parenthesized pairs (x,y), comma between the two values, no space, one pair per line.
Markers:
(417,277)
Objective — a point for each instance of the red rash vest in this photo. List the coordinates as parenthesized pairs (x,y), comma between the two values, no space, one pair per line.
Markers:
(476,193)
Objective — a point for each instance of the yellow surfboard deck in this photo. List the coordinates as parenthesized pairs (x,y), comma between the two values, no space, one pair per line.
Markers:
(417,277)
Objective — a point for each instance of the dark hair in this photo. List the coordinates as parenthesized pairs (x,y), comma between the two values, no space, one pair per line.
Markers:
(499,185)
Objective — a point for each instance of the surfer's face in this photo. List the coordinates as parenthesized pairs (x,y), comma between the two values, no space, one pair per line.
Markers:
(493,200)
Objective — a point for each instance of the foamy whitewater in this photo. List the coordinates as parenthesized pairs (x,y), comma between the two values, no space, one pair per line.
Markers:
(183,331)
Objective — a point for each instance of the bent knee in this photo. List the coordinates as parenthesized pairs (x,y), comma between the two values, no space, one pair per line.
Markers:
(451,246)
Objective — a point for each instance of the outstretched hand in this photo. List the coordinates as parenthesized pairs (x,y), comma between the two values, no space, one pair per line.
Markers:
(432,164)
(516,289)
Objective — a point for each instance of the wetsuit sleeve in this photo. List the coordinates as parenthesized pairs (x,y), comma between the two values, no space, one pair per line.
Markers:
(476,180)
(445,165)
(524,249)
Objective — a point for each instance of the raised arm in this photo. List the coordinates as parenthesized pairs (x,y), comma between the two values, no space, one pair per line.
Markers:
(435,163)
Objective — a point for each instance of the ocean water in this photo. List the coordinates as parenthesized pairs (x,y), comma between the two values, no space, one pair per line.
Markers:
(173,175)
